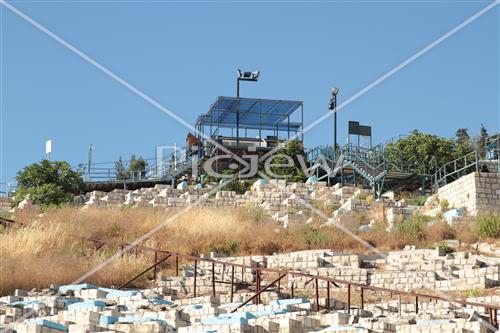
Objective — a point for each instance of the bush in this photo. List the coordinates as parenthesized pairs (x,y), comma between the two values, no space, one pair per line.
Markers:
(48,183)
(472,293)
(228,247)
(445,248)
(444,205)
(488,226)
(314,236)
(362,195)
(238,186)
(414,199)
(413,228)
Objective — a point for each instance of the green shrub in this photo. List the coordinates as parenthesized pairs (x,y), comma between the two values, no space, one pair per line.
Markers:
(412,228)
(445,248)
(444,205)
(488,226)
(414,199)
(472,293)
(228,247)
(258,213)
(314,236)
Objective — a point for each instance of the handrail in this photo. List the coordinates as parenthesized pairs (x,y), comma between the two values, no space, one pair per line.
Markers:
(106,171)
(455,168)
(298,274)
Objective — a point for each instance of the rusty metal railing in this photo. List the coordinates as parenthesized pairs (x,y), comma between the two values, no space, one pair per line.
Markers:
(490,309)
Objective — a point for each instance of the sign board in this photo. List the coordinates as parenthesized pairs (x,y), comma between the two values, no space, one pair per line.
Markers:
(356,129)
(365,130)
(48,147)
(353,127)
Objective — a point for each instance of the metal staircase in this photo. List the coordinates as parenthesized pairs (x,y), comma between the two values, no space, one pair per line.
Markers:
(371,164)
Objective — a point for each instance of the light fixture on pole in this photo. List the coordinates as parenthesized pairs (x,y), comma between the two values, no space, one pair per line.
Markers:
(245,76)
(333,106)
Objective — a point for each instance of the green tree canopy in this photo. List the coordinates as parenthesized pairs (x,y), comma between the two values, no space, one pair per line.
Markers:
(120,170)
(48,183)
(292,149)
(137,166)
(423,152)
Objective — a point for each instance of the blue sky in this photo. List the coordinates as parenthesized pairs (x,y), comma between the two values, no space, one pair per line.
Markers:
(184,54)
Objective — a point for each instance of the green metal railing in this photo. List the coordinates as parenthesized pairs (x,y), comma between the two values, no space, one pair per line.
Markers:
(7,189)
(455,169)
(165,169)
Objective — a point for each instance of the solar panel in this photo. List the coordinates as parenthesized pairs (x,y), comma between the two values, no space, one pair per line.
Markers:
(252,112)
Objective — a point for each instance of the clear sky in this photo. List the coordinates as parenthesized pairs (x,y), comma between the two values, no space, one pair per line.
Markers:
(185,53)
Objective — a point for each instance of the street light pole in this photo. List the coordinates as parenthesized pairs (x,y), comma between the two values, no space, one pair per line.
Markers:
(333,106)
(335,126)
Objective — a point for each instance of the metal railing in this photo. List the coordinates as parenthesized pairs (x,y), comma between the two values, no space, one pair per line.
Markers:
(258,272)
(7,189)
(169,166)
(455,169)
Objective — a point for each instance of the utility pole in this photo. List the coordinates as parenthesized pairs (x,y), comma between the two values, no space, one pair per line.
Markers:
(89,165)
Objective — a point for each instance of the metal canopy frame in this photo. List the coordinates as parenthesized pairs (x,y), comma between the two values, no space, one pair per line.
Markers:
(251,113)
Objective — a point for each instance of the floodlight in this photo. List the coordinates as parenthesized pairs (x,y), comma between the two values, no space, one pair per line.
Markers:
(331,104)
(255,74)
(335,91)
(247,75)
(238,73)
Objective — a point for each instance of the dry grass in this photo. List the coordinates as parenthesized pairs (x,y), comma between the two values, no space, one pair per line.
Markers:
(49,248)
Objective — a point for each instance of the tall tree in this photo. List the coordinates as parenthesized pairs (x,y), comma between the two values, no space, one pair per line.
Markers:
(48,183)
(483,138)
(462,136)
(137,166)
(463,142)
(421,152)
(120,170)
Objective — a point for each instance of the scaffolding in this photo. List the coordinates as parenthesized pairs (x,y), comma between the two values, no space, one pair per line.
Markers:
(239,123)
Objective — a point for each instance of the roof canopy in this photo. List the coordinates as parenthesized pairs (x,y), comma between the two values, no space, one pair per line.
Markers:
(254,113)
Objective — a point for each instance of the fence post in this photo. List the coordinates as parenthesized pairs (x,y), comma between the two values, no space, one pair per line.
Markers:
(328,295)
(416,304)
(213,279)
(317,294)
(194,287)
(348,298)
(232,282)
(176,265)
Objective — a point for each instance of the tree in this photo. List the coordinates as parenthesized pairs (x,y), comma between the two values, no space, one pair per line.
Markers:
(48,183)
(463,143)
(292,149)
(120,170)
(462,136)
(137,167)
(420,152)
(483,135)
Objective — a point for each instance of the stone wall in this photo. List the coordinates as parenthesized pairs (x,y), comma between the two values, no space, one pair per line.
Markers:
(477,192)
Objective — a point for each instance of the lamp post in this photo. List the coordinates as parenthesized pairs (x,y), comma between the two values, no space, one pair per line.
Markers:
(243,76)
(333,106)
